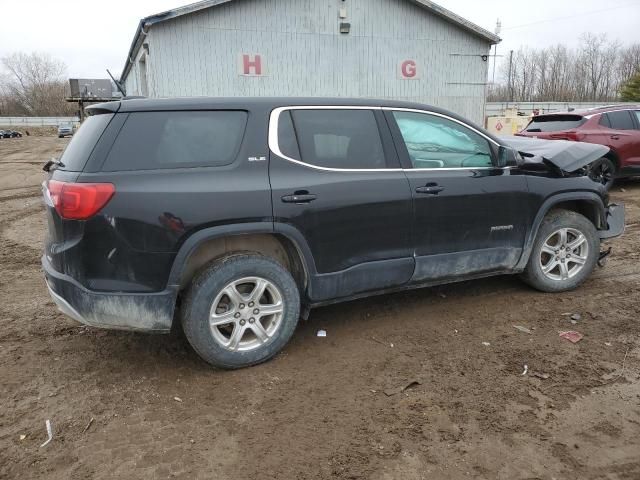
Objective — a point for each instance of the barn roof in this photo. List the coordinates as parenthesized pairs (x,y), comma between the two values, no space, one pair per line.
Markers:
(147,22)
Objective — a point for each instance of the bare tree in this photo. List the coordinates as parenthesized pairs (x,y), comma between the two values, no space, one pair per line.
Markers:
(594,71)
(523,74)
(34,84)
(597,58)
(560,73)
(629,64)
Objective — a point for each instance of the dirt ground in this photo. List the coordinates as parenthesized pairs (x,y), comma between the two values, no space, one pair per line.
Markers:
(125,405)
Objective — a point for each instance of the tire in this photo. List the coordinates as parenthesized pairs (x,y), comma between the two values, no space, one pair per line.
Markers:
(256,344)
(603,171)
(60,136)
(548,240)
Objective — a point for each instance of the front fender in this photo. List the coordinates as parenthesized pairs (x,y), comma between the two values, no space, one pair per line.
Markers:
(590,197)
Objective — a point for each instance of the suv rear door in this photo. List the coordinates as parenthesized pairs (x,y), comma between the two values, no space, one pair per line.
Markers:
(471,215)
(336,180)
(620,133)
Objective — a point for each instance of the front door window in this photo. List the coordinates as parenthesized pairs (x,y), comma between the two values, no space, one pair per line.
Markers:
(437,142)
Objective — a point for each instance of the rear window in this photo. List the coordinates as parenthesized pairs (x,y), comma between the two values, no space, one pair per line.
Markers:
(339,138)
(620,120)
(555,123)
(81,145)
(158,140)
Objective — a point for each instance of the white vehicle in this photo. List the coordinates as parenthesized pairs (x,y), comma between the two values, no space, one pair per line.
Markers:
(65,129)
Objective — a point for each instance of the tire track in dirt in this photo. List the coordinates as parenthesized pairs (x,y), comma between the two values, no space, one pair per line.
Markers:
(16,256)
(621,271)
(12,189)
(8,162)
(18,196)
(27,212)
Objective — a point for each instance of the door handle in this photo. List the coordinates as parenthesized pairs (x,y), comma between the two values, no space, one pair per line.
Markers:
(299,198)
(430,189)
(615,137)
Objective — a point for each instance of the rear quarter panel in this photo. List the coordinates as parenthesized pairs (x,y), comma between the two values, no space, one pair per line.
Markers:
(131,244)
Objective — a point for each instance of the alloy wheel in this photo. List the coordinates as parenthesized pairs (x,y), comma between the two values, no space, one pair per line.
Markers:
(564,254)
(603,172)
(246,313)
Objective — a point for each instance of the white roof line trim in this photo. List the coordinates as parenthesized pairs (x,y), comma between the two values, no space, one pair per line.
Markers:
(274,146)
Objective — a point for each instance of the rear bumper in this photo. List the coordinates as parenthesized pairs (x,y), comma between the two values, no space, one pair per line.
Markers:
(150,312)
(615,222)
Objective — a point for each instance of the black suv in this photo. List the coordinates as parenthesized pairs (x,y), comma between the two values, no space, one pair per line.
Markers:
(239,215)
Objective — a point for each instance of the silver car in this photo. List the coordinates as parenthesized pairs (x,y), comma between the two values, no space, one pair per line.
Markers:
(65,129)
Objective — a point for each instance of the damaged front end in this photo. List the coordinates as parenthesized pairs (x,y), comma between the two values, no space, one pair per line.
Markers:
(562,157)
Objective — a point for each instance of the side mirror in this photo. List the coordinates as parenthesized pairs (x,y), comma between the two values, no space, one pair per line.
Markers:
(509,157)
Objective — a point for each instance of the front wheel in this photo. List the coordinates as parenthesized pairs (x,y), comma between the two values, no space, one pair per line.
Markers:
(603,171)
(564,253)
(241,311)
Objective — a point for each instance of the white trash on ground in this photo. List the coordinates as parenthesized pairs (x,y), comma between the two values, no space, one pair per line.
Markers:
(49,433)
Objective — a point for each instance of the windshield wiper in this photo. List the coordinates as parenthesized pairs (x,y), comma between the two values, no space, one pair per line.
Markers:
(51,164)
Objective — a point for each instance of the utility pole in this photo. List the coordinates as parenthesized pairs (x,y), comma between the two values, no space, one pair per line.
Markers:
(509,80)
(495,51)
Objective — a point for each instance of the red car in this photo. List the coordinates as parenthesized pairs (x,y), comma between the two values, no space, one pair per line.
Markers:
(617,127)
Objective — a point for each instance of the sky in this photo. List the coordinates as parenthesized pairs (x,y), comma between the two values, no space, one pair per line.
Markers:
(90,35)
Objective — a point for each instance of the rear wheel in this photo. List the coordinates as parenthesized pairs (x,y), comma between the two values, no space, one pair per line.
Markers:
(564,253)
(241,311)
(603,171)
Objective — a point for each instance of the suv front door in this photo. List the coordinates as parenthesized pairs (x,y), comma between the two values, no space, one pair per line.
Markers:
(336,179)
(470,215)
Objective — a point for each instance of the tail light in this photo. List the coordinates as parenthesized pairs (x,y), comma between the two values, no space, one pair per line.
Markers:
(570,135)
(79,201)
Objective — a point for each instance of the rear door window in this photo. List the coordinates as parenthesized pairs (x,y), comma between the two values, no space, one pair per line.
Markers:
(554,123)
(340,138)
(621,120)
(160,140)
(82,143)
(604,121)
(287,136)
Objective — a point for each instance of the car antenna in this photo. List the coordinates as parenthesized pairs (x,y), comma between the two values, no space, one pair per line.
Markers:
(118,84)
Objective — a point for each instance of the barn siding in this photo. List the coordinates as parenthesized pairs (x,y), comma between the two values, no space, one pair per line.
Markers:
(305,55)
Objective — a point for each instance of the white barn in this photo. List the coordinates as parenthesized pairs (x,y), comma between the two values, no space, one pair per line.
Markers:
(399,49)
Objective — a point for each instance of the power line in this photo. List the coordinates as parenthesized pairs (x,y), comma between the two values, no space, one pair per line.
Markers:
(573,16)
